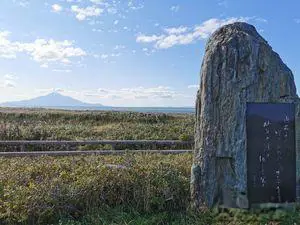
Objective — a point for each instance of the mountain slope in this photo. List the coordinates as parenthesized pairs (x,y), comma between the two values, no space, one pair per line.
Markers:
(51,100)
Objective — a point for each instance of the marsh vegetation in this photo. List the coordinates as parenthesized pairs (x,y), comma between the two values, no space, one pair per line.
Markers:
(126,189)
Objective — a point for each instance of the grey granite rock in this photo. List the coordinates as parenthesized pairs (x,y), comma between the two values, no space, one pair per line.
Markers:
(239,66)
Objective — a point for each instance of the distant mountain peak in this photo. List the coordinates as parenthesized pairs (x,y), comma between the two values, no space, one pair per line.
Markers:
(51,100)
(54,93)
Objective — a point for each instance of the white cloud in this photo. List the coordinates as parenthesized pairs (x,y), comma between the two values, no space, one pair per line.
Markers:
(160,92)
(261,20)
(9,84)
(62,70)
(134,6)
(97,1)
(74,1)
(10,77)
(8,81)
(176,30)
(45,65)
(7,48)
(102,90)
(175,8)
(97,30)
(115,54)
(83,13)
(104,56)
(148,39)
(184,35)
(96,8)
(112,10)
(41,50)
(193,86)
(56,8)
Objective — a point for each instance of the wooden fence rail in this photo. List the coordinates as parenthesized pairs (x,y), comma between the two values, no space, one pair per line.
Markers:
(90,152)
(95,142)
(70,147)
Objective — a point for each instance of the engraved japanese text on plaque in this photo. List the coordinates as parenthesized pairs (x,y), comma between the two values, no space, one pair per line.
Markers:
(271,155)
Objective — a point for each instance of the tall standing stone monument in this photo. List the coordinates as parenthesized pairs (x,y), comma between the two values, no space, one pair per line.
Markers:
(239,68)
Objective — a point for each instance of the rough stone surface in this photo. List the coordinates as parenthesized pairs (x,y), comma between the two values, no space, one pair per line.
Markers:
(238,67)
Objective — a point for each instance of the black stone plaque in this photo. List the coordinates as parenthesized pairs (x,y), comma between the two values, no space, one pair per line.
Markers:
(271,154)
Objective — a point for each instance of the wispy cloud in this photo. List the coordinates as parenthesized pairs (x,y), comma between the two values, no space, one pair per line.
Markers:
(223,3)
(186,35)
(297,20)
(97,30)
(84,13)
(175,8)
(56,8)
(49,90)
(62,70)
(259,19)
(22,3)
(118,47)
(104,56)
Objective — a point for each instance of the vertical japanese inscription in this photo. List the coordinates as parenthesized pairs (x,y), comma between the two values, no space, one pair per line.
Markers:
(271,157)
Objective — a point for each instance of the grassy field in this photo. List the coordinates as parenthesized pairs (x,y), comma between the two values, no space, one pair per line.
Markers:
(32,124)
(127,189)
(45,189)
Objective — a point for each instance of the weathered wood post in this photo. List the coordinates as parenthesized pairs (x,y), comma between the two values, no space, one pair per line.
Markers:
(239,67)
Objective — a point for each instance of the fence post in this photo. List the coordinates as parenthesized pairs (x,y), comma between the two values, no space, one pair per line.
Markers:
(113,146)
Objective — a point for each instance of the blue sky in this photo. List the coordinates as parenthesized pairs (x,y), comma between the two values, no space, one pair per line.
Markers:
(126,53)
